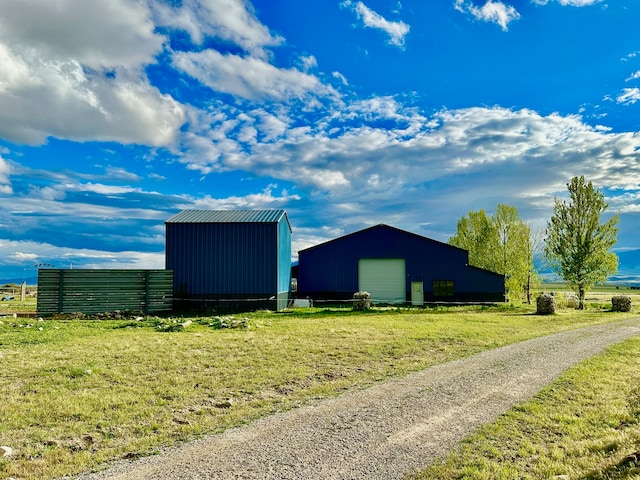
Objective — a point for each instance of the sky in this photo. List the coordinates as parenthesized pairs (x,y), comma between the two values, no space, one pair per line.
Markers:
(117,114)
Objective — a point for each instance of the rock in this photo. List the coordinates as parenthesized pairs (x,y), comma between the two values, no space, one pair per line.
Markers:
(224,404)
(6,451)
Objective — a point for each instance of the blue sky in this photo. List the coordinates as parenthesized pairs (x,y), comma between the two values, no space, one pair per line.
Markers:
(115,115)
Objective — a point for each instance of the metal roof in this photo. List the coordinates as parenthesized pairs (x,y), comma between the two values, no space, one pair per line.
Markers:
(229,216)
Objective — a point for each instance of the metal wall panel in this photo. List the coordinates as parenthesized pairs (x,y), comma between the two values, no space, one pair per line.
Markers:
(211,258)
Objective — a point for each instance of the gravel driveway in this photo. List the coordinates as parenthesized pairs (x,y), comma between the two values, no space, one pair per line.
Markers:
(387,430)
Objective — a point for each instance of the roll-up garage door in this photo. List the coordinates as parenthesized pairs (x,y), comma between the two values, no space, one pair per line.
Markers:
(383,278)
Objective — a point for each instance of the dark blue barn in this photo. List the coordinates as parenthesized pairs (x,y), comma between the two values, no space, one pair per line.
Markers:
(394,266)
(230,259)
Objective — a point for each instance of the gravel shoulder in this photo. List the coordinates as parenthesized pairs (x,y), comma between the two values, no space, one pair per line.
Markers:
(386,431)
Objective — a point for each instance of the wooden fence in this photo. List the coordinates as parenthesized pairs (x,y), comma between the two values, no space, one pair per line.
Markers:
(98,291)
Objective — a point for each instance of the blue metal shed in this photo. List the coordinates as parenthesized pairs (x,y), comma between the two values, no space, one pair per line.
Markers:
(230,259)
(395,266)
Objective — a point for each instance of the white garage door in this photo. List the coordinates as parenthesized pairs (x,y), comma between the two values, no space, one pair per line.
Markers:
(383,278)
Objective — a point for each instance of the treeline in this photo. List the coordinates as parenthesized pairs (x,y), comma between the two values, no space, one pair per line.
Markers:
(576,243)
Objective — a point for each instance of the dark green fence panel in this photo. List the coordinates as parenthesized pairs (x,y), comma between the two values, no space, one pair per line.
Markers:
(98,291)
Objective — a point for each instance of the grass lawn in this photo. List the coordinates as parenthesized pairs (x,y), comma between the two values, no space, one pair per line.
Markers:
(75,393)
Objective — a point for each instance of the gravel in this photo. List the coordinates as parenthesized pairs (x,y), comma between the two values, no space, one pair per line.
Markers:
(386,431)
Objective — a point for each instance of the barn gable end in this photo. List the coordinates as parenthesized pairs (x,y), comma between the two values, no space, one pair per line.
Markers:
(433,271)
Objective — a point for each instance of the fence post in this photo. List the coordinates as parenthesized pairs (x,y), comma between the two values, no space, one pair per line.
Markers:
(146,292)
(60,290)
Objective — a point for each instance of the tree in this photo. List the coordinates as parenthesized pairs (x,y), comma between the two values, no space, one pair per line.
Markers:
(500,244)
(476,234)
(577,242)
(514,248)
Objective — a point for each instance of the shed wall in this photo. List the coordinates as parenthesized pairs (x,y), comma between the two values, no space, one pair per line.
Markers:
(222,258)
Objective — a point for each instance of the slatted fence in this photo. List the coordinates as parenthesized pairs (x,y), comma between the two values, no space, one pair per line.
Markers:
(98,291)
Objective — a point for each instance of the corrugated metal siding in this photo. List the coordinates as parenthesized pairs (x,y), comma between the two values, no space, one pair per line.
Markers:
(97,291)
(220,259)
(332,267)
(284,257)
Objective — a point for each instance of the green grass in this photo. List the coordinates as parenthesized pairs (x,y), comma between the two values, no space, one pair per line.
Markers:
(76,393)
(586,425)
(18,306)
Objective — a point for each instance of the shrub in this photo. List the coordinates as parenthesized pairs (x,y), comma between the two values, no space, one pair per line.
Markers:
(361,301)
(621,303)
(545,304)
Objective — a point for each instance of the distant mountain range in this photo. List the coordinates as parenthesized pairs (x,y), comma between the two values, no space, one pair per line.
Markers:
(628,268)
(18,281)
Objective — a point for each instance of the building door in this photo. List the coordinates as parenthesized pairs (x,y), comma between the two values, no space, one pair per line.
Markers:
(383,278)
(417,293)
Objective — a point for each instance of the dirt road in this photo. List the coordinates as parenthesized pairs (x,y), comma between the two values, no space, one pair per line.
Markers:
(385,431)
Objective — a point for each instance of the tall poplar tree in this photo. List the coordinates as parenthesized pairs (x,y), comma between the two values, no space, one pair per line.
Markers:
(500,243)
(578,242)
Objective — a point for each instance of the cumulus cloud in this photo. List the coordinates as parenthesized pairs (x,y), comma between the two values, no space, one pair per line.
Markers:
(397,31)
(474,157)
(230,20)
(73,69)
(492,12)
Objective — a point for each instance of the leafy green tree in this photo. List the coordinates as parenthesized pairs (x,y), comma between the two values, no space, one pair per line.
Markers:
(500,243)
(477,234)
(578,242)
(514,248)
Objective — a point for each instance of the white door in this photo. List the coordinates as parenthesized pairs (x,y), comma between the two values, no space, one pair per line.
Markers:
(417,293)
(383,278)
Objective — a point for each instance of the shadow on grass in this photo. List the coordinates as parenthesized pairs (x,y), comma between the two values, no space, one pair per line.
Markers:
(628,467)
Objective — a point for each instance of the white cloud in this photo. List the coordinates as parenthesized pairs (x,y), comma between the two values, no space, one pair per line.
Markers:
(397,31)
(5,170)
(633,76)
(262,200)
(248,77)
(629,96)
(73,69)
(25,253)
(231,20)
(493,12)
(308,62)
(570,3)
(474,158)
(340,77)
(98,34)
